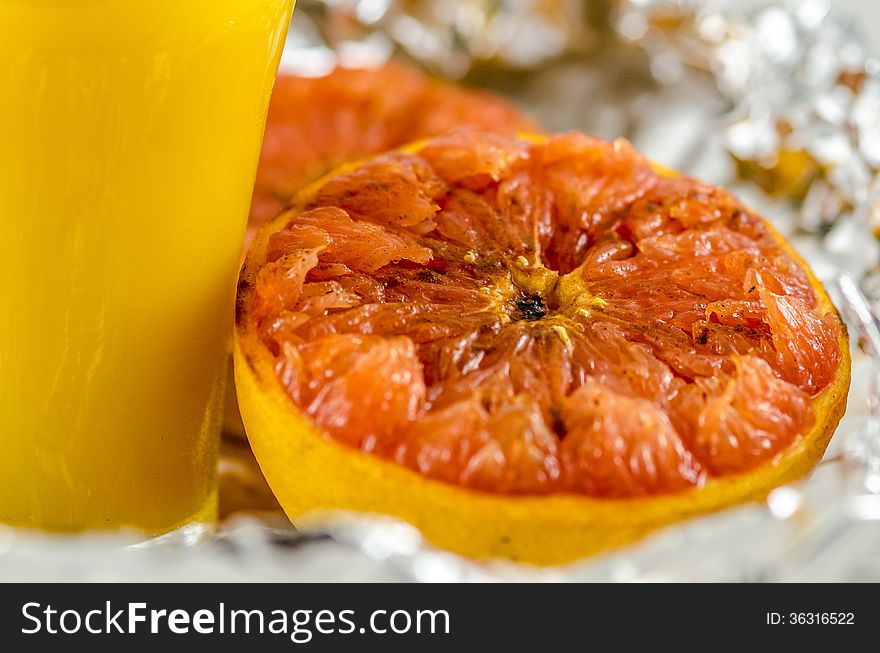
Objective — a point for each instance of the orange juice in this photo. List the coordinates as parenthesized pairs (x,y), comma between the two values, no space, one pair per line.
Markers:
(129,136)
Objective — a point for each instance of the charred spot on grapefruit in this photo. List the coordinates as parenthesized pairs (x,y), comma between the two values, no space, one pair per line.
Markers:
(491,337)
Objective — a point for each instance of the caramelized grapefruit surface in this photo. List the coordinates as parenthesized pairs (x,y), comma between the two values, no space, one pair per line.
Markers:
(517,318)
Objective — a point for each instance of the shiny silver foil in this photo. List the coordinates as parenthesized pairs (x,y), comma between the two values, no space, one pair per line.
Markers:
(804,92)
(782,87)
(449,37)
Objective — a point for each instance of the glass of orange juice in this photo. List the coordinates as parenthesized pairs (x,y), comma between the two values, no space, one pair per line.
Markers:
(129,137)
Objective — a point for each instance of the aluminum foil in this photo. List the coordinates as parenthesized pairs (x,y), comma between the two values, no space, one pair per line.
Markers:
(449,37)
(804,120)
(776,85)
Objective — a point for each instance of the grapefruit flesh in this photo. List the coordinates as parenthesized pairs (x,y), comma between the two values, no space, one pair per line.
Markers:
(552,322)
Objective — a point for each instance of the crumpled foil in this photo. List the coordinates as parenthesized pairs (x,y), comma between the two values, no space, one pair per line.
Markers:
(450,37)
(824,529)
(804,91)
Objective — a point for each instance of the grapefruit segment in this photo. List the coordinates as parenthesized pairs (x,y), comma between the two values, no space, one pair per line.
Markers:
(472,159)
(344,399)
(734,423)
(806,343)
(394,189)
(539,326)
(357,246)
(621,446)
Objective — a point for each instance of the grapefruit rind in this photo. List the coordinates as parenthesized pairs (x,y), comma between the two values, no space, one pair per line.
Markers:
(312,475)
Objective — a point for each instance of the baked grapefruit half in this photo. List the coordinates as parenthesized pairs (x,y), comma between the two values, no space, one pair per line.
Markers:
(530,348)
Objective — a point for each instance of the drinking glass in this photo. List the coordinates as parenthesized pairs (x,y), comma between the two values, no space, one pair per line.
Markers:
(129,138)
